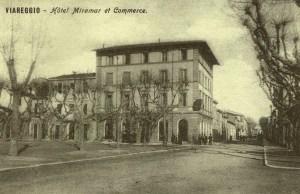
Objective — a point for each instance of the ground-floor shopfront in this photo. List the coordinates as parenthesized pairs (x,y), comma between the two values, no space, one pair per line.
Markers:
(39,129)
(180,127)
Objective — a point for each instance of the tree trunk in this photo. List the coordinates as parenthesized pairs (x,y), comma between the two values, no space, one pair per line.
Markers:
(165,128)
(4,132)
(138,134)
(144,133)
(117,131)
(15,124)
(81,136)
(296,137)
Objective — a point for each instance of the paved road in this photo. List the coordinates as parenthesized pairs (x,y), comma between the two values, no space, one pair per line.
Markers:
(207,170)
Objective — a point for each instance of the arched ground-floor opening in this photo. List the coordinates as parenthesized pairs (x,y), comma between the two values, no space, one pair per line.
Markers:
(109,129)
(44,131)
(71,131)
(128,132)
(182,131)
(56,132)
(145,132)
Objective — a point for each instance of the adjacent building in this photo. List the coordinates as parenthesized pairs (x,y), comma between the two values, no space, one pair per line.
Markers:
(68,111)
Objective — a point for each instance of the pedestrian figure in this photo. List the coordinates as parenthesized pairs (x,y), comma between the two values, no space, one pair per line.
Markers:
(199,139)
(205,139)
(210,139)
(230,138)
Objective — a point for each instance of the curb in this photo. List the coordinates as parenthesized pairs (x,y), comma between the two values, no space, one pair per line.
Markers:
(89,159)
(236,155)
(266,163)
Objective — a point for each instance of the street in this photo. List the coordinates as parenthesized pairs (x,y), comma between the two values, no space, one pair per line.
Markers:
(204,170)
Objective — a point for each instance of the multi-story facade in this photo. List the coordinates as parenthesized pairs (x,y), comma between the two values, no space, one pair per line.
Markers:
(172,63)
(67,111)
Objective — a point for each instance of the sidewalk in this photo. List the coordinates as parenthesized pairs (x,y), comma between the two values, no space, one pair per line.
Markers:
(41,153)
(280,157)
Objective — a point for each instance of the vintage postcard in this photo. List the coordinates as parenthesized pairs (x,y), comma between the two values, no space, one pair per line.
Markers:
(152,96)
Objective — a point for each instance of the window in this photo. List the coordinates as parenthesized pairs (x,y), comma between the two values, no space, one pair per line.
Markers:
(164,99)
(108,102)
(173,55)
(118,59)
(85,86)
(72,86)
(206,102)
(136,58)
(182,75)
(146,57)
(59,87)
(85,108)
(199,76)
(65,88)
(145,77)
(183,54)
(164,56)
(36,108)
(144,101)
(155,57)
(104,60)
(127,59)
(126,78)
(164,76)
(182,99)
(109,79)
(126,101)
(110,60)
(59,108)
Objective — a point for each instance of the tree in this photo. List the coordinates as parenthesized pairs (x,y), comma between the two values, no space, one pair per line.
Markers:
(157,97)
(251,124)
(271,26)
(74,104)
(20,48)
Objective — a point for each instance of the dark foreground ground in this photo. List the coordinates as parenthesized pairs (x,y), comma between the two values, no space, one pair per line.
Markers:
(207,170)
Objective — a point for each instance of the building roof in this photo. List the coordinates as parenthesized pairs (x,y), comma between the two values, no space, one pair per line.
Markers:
(74,76)
(231,122)
(233,112)
(202,45)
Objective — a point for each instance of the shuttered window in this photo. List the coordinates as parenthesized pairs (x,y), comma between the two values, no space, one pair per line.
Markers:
(126,78)
(109,78)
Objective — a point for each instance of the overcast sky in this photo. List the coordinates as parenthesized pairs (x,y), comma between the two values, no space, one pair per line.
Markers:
(71,38)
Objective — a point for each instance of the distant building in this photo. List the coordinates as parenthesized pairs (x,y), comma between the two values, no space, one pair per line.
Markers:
(217,122)
(173,63)
(239,121)
(231,131)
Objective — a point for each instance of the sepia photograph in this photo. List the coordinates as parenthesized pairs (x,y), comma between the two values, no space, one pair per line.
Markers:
(149,96)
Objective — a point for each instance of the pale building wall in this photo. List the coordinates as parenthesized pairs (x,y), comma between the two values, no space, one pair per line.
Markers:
(199,75)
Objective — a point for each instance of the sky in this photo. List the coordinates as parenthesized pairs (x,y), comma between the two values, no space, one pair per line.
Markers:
(70,40)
